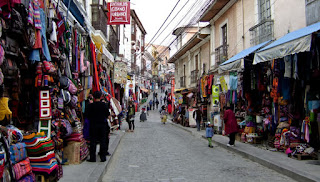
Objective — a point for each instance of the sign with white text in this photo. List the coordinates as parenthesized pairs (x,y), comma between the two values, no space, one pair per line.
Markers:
(118,13)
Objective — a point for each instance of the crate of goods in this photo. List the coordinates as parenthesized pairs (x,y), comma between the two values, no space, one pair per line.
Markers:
(72,152)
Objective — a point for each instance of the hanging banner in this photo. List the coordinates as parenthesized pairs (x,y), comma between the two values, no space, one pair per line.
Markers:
(118,13)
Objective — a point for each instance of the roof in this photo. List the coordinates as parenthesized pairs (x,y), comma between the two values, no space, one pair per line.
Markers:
(136,18)
(213,10)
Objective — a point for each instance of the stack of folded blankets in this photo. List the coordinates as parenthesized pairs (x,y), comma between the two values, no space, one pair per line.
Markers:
(21,163)
(40,150)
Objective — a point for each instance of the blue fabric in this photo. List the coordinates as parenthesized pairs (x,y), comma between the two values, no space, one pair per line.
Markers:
(34,55)
(294,35)
(245,53)
(209,132)
(45,49)
(233,82)
(286,88)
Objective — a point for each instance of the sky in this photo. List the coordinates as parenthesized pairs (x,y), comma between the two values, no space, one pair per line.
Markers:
(152,14)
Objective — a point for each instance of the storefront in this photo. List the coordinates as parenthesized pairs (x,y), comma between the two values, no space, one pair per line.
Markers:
(48,69)
(277,97)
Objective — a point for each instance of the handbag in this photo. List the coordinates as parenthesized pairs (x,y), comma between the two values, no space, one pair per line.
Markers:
(18,152)
(64,82)
(72,87)
(22,168)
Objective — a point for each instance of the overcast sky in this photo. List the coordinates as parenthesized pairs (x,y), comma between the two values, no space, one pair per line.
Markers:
(152,13)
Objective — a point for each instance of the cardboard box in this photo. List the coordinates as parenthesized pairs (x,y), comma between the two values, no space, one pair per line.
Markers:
(72,152)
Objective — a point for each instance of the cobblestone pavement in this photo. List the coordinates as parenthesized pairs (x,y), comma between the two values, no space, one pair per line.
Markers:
(164,153)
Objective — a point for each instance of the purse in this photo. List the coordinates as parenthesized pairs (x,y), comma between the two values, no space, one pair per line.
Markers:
(22,168)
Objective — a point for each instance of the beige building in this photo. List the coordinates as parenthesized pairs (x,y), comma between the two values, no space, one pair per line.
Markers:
(239,24)
(192,59)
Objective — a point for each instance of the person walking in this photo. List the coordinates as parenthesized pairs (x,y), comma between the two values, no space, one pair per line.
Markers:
(153,104)
(209,134)
(143,115)
(163,115)
(157,103)
(98,113)
(231,126)
(197,115)
(130,116)
(161,100)
(150,103)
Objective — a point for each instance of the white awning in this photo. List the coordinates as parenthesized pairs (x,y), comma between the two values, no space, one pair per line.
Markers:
(294,42)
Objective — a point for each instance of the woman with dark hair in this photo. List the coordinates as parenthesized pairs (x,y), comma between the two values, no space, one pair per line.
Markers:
(231,125)
(130,116)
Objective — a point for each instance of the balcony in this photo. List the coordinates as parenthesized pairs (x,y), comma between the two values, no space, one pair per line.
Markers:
(182,81)
(221,53)
(194,76)
(99,19)
(114,41)
(261,32)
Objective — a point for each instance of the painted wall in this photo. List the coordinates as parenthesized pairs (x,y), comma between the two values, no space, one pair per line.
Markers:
(288,15)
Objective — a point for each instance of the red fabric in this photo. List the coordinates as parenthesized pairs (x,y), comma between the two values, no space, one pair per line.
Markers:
(230,121)
(96,86)
(169,108)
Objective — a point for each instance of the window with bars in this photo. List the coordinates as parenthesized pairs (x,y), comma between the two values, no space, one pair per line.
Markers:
(264,10)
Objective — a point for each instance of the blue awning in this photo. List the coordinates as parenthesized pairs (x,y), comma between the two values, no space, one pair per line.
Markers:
(234,62)
(294,42)
(75,11)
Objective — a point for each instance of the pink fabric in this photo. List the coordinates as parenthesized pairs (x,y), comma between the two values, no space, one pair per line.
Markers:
(230,121)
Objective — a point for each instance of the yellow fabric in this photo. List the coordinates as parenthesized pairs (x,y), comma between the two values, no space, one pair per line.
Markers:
(4,109)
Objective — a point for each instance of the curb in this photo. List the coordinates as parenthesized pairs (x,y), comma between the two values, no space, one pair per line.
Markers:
(100,170)
(289,171)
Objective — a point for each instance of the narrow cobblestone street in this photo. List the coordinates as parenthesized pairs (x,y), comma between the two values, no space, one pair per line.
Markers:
(157,152)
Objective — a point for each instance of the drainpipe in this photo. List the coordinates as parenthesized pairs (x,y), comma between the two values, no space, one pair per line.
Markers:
(242,9)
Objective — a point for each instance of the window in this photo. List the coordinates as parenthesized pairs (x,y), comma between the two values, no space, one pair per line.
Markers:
(132,28)
(264,9)
(224,34)
(196,61)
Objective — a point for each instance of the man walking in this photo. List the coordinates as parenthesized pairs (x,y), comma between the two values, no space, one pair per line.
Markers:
(197,114)
(98,112)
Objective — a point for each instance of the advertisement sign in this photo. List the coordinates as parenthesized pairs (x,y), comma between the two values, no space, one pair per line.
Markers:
(120,72)
(118,13)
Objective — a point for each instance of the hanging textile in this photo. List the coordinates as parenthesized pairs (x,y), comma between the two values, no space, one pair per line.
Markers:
(96,85)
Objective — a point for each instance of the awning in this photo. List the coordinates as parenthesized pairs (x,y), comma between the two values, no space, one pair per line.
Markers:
(294,42)
(75,11)
(234,63)
(179,90)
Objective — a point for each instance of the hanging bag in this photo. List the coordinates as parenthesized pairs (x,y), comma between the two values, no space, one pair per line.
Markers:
(22,168)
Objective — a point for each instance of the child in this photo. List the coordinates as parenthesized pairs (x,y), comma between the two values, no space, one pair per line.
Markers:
(143,116)
(163,115)
(209,134)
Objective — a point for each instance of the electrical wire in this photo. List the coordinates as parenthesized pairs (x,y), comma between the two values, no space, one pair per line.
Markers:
(164,21)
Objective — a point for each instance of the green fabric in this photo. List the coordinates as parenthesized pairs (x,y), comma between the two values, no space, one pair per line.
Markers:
(210,141)
(131,111)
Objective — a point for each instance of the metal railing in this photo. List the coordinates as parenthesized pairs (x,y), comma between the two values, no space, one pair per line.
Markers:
(194,76)
(113,39)
(99,19)
(261,32)
(221,53)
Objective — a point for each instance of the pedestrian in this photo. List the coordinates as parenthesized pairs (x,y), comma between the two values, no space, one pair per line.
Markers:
(209,134)
(143,115)
(163,115)
(98,113)
(157,103)
(150,103)
(130,116)
(153,104)
(166,92)
(161,100)
(197,115)
(231,126)
(148,109)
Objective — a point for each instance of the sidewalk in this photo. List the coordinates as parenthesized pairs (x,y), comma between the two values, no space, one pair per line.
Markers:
(303,170)
(91,171)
